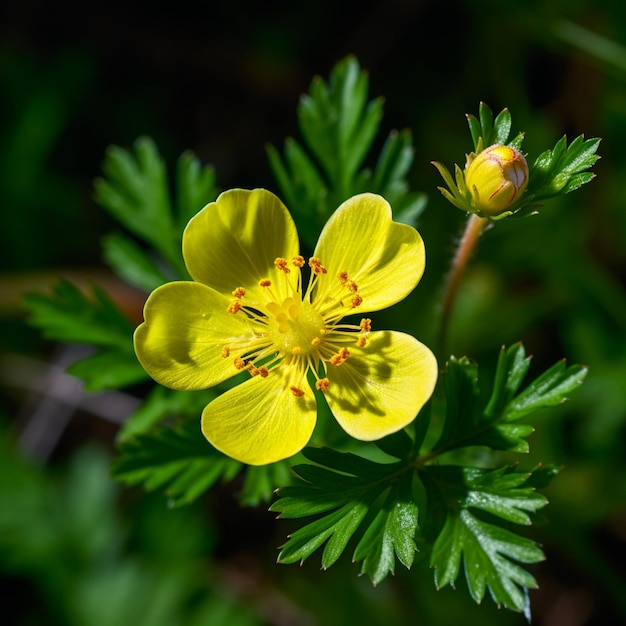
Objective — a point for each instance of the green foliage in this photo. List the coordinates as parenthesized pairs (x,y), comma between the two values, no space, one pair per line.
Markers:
(177,460)
(135,191)
(464,512)
(70,316)
(338,126)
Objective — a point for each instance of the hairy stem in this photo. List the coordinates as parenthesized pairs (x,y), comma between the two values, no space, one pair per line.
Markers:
(473,229)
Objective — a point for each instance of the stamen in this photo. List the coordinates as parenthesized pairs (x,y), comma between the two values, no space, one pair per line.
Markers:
(239,363)
(252,369)
(240,292)
(322,384)
(263,371)
(316,266)
(234,307)
(340,357)
(281,264)
(343,277)
(298,261)
(356,301)
(366,325)
(225,352)
(352,286)
(265,283)
(297,392)
(361,341)
(316,341)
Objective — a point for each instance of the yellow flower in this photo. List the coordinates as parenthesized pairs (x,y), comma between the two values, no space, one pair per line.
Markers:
(249,308)
(496,177)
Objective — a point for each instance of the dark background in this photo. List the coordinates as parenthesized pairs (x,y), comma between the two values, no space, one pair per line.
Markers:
(224,80)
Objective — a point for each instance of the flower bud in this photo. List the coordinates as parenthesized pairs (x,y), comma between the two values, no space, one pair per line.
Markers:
(496,178)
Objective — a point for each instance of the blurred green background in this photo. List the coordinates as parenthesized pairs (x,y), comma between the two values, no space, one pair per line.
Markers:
(224,80)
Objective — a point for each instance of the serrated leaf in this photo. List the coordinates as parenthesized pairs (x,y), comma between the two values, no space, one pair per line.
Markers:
(70,316)
(162,403)
(112,369)
(342,493)
(178,461)
(196,186)
(391,534)
(135,191)
(490,555)
(127,259)
(260,482)
(549,389)
(512,367)
(339,126)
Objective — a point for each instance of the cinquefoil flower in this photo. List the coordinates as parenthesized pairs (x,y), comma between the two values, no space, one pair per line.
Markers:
(250,309)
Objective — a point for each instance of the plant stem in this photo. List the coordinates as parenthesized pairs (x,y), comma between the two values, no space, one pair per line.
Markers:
(473,229)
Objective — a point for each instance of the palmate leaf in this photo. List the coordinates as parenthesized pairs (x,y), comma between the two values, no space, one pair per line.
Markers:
(177,460)
(467,424)
(341,493)
(70,316)
(135,190)
(339,126)
(491,554)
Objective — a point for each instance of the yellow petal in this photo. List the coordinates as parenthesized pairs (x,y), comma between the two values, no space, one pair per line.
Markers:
(381,387)
(234,241)
(261,420)
(385,259)
(186,327)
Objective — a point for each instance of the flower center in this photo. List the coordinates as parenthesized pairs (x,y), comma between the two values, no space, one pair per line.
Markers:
(295,327)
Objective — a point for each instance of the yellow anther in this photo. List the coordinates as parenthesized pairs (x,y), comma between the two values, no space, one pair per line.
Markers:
(366,325)
(356,301)
(316,266)
(281,264)
(298,261)
(234,307)
(225,352)
(265,283)
(296,392)
(239,363)
(340,357)
(240,292)
(296,350)
(322,384)
(252,369)
(316,341)
(352,286)
(361,341)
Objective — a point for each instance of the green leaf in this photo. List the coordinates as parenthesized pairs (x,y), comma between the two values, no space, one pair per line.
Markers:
(178,461)
(196,186)
(562,169)
(339,127)
(162,403)
(491,554)
(549,389)
(136,192)
(70,316)
(342,493)
(131,263)
(391,534)
(111,369)
(261,481)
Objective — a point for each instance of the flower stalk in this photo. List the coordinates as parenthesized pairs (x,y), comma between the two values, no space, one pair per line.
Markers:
(467,244)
